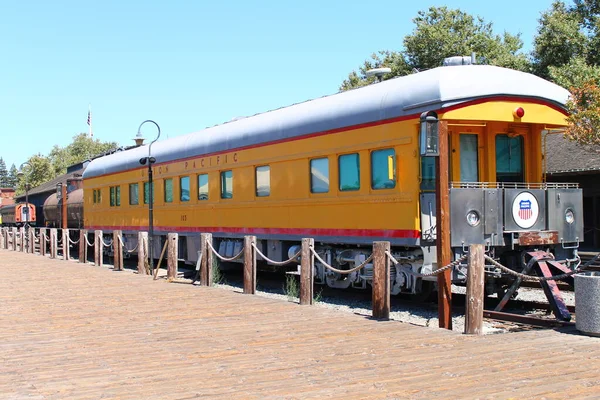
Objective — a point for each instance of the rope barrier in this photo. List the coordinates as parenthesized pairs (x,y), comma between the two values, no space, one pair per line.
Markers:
(341,271)
(241,253)
(74,241)
(104,243)
(453,264)
(123,244)
(88,242)
(288,261)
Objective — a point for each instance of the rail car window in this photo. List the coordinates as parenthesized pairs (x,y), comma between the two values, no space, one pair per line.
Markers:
(184,188)
(97,196)
(469,161)
(134,194)
(319,175)
(203,187)
(263,181)
(383,169)
(349,165)
(115,196)
(147,192)
(509,159)
(227,184)
(168,190)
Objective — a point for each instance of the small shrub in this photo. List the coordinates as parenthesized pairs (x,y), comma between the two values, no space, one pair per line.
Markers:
(217,275)
(291,289)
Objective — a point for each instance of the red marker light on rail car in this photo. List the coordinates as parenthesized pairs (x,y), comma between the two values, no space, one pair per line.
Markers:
(519,112)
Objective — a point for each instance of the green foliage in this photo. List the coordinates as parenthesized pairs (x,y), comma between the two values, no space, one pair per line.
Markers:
(560,38)
(575,73)
(584,118)
(38,171)
(291,288)
(439,33)
(217,275)
(12,177)
(82,148)
(3,174)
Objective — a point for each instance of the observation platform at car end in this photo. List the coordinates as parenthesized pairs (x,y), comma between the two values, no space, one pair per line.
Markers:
(69,330)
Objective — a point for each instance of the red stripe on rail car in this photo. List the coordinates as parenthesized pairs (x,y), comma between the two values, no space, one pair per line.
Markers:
(391,233)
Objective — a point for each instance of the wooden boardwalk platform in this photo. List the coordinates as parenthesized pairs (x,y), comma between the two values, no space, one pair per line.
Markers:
(72,331)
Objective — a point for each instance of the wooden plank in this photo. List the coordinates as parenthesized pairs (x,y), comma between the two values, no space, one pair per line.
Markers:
(475,291)
(31,233)
(307,272)
(173,250)
(444,252)
(72,344)
(249,265)
(381,280)
(142,252)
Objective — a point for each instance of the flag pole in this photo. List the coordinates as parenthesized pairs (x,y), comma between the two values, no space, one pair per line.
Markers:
(89,121)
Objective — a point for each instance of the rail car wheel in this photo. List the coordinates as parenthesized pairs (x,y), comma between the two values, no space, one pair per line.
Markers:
(424,295)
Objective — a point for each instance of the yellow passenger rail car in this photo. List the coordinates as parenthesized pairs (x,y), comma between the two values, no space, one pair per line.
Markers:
(347,170)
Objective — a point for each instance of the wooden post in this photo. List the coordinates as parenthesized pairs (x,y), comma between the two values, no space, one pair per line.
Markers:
(15,239)
(172,255)
(98,248)
(143,253)
(43,242)
(381,280)
(475,291)
(207,260)
(53,242)
(249,265)
(2,238)
(307,274)
(83,246)
(63,204)
(65,244)
(31,240)
(21,239)
(117,250)
(444,252)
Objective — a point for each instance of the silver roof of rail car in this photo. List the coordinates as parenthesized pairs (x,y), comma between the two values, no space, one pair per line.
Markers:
(408,95)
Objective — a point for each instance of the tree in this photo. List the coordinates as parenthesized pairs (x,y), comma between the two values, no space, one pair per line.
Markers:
(40,170)
(3,174)
(439,33)
(12,177)
(560,39)
(584,118)
(82,148)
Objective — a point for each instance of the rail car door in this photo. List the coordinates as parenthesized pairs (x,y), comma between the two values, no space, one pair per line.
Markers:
(23,211)
(466,146)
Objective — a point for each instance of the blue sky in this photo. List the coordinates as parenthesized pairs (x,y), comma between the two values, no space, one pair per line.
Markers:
(190,64)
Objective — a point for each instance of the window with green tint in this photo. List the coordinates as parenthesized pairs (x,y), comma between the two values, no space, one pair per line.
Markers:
(349,165)
(469,158)
(184,188)
(95,196)
(383,169)
(134,194)
(227,184)
(118,195)
(147,192)
(263,181)
(319,175)
(203,187)
(427,173)
(509,159)
(168,190)
(112,196)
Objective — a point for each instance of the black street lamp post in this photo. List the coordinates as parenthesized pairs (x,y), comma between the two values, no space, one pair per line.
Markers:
(149,161)
(26,212)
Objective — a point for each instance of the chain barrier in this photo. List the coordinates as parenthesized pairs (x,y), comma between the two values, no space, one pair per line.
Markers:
(531,278)
(341,271)
(220,257)
(123,245)
(279,263)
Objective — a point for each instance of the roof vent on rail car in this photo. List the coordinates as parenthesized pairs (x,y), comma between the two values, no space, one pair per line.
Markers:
(459,60)
(378,72)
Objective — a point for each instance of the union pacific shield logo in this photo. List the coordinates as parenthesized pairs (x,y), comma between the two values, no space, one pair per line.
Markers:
(525,210)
